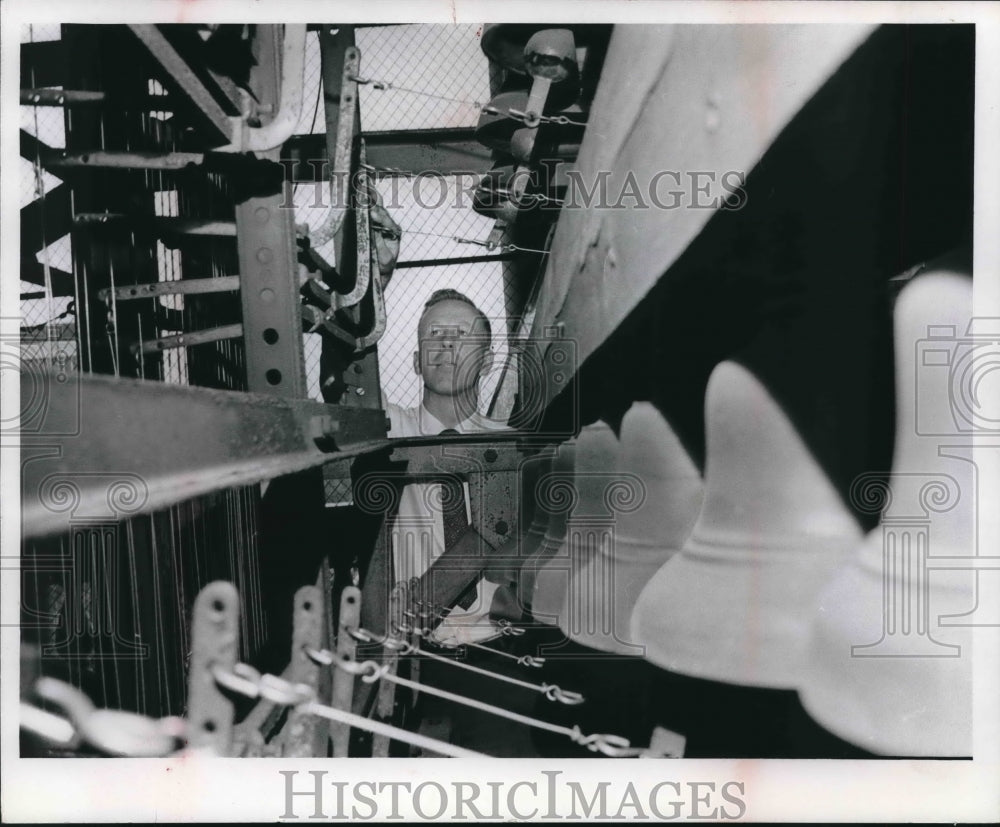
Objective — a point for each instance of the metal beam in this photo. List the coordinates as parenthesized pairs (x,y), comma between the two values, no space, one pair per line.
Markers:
(119,447)
(187,82)
(433,151)
(269,275)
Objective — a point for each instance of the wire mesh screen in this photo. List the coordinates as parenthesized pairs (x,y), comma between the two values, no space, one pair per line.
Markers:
(437,76)
(433,212)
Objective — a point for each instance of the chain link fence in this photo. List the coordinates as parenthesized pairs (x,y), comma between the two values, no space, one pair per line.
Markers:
(436,76)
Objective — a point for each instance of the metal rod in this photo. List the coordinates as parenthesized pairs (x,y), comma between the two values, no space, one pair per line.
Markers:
(198,337)
(61,97)
(394,733)
(438,262)
(181,226)
(125,160)
(223,284)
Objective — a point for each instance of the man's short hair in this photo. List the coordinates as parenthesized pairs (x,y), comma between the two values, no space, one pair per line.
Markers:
(448,294)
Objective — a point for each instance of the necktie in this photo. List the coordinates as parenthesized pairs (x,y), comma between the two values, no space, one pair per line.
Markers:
(455,522)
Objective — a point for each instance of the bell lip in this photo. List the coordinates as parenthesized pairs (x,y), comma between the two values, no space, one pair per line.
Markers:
(624,600)
(834,683)
(715,646)
(892,736)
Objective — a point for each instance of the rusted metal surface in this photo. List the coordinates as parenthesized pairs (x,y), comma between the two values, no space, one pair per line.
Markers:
(214,644)
(491,469)
(343,681)
(221,284)
(305,735)
(165,443)
(195,337)
(364,265)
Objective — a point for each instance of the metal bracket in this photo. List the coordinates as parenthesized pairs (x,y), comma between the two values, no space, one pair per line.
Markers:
(364,267)
(214,631)
(305,735)
(273,134)
(343,681)
(385,705)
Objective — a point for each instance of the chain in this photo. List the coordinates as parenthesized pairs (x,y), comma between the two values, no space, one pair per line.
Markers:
(530,119)
(111,731)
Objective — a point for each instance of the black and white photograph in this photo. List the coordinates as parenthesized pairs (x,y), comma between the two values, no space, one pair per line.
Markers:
(544,386)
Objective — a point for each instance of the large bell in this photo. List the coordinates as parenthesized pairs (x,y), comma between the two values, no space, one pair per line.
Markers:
(887,671)
(733,605)
(552,495)
(654,498)
(594,453)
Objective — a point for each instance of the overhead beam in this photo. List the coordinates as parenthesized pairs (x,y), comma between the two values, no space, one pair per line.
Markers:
(431,151)
(87,439)
(181,76)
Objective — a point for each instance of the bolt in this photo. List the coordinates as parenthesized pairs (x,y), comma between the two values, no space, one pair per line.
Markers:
(501,527)
(359,391)
(490,455)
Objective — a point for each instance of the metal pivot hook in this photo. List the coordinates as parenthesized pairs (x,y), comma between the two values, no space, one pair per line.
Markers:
(113,731)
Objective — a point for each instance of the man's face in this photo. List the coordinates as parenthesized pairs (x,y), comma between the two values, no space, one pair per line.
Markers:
(454,349)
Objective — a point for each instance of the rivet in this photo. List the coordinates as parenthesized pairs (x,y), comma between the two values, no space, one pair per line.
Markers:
(265,255)
(267,295)
(262,214)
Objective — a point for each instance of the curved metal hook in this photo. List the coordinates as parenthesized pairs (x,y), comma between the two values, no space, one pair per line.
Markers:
(323,657)
(554,693)
(614,746)
(243,679)
(282,692)
(112,731)
(508,628)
